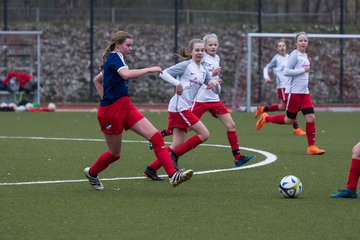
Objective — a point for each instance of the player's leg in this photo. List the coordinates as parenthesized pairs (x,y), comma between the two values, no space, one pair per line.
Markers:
(145,128)
(353,176)
(231,134)
(114,147)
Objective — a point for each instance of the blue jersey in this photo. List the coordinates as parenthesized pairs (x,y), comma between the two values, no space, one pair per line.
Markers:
(114,85)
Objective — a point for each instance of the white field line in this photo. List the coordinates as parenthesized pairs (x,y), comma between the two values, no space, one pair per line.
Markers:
(270,158)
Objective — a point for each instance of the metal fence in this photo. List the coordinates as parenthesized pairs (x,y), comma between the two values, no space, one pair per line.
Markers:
(166,16)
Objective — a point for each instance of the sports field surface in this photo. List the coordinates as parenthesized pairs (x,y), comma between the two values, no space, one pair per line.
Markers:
(44,195)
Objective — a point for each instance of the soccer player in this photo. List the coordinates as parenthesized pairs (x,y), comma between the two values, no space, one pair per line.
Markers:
(117,113)
(277,64)
(187,76)
(209,101)
(297,94)
(353,177)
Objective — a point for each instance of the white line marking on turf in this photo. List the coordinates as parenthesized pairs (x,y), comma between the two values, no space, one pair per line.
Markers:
(270,158)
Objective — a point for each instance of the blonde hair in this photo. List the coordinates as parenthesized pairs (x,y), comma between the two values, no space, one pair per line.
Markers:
(186,52)
(208,36)
(298,34)
(118,37)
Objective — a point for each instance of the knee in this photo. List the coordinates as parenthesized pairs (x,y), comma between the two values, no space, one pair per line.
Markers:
(356,151)
(204,136)
(310,118)
(230,126)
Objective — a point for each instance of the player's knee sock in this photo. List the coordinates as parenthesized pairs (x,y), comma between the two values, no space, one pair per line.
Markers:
(156,164)
(191,143)
(162,154)
(102,163)
(277,119)
(310,133)
(272,108)
(354,174)
(234,143)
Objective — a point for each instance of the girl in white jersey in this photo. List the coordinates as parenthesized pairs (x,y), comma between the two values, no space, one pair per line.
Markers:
(277,64)
(209,101)
(188,77)
(297,94)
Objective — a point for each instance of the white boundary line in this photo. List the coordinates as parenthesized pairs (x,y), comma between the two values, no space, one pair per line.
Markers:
(270,158)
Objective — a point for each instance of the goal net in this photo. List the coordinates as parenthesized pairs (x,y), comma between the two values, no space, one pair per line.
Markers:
(20,56)
(334,73)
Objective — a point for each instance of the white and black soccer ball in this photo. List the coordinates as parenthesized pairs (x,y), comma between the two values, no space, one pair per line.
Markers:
(290,186)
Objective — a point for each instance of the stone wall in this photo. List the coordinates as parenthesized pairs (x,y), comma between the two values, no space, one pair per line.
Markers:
(65,61)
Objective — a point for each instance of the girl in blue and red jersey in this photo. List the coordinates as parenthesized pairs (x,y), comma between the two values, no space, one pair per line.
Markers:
(297,94)
(187,76)
(117,113)
(278,64)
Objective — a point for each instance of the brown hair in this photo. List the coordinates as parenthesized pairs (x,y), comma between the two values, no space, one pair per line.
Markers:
(280,40)
(186,52)
(118,37)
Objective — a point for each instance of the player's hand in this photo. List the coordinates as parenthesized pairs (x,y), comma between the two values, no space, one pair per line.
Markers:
(268,80)
(306,68)
(216,71)
(179,89)
(155,69)
(212,84)
(219,80)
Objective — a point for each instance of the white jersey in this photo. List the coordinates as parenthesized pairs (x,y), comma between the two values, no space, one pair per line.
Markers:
(192,77)
(278,64)
(207,95)
(299,82)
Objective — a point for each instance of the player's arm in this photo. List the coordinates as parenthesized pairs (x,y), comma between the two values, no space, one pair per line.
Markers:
(212,83)
(98,82)
(128,74)
(290,69)
(267,68)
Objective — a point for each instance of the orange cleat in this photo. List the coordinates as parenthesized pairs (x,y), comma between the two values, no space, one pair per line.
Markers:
(259,110)
(314,150)
(299,132)
(261,122)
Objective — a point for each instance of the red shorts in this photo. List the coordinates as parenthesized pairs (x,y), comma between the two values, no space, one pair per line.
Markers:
(182,120)
(297,101)
(214,108)
(120,115)
(281,95)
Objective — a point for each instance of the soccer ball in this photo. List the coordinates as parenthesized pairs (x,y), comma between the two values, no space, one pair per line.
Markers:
(290,186)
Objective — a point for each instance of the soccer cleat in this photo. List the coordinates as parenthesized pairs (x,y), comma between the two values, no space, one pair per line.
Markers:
(94,181)
(243,160)
(150,145)
(151,173)
(299,132)
(180,176)
(344,193)
(175,160)
(314,150)
(259,110)
(261,122)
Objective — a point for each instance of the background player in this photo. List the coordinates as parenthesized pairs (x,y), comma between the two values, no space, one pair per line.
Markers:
(297,94)
(278,64)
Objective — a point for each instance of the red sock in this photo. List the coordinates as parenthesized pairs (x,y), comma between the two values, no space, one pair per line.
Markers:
(295,124)
(102,163)
(191,143)
(273,108)
(162,154)
(277,119)
(156,164)
(354,174)
(310,133)
(234,143)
